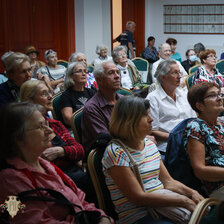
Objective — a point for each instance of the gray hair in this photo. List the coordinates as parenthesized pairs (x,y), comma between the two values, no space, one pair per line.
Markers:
(116,50)
(74,56)
(100,47)
(48,53)
(5,55)
(13,61)
(69,82)
(130,24)
(99,70)
(199,47)
(163,69)
(14,122)
(161,46)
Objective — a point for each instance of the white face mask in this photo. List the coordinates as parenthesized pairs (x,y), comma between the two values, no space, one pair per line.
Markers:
(193,58)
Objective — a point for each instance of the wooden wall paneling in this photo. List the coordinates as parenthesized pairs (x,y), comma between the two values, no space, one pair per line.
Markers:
(135,11)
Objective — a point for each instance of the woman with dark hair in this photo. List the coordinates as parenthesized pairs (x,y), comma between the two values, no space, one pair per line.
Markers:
(207,72)
(173,44)
(150,53)
(131,123)
(191,60)
(24,136)
(204,136)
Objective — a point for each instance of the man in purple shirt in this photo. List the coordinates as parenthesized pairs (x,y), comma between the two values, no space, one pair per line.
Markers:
(97,111)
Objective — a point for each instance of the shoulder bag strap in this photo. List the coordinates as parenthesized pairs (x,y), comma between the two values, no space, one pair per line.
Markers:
(48,71)
(133,163)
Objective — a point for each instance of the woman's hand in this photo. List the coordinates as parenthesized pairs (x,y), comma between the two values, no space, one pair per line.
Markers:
(105,220)
(196,197)
(52,153)
(189,204)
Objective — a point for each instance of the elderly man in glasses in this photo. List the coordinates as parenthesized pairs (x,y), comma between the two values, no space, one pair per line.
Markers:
(54,72)
(168,103)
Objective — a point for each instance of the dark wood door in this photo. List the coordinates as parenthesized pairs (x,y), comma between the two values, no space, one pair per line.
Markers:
(44,24)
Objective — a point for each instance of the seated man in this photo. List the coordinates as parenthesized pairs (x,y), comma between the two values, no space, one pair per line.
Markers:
(54,72)
(3,77)
(165,53)
(168,103)
(18,70)
(97,111)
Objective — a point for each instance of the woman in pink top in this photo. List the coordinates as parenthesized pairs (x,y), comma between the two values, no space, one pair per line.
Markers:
(24,135)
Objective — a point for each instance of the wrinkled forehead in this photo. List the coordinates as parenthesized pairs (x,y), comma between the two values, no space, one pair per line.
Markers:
(166,47)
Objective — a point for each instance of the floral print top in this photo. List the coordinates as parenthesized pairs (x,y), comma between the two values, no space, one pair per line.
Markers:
(212,136)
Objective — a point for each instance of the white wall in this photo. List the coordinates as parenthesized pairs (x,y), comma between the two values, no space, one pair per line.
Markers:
(92,26)
(154,27)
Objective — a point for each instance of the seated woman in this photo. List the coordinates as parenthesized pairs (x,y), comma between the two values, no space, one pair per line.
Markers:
(52,71)
(191,60)
(207,72)
(80,57)
(169,105)
(130,77)
(131,123)
(102,50)
(204,136)
(76,94)
(24,136)
(173,45)
(64,151)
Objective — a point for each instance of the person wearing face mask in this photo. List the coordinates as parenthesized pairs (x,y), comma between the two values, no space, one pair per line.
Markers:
(191,61)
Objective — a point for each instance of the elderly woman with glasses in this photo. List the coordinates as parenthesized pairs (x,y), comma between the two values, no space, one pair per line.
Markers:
(24,136)
(54,72)
(169,105)
(204,136)
(76,94)
(64,151)
(207,72)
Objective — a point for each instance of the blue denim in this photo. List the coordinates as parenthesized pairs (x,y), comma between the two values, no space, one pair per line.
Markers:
(149,220)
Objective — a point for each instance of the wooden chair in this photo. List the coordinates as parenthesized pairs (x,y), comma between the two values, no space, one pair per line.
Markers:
(201,209)
(192,70)
(76,124)
(56,107)
(63,62)
(90,68)
(143,67)
(98,179)
(188,81)
(220,66)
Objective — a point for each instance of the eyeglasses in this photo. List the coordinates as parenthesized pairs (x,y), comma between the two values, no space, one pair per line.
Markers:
(81,71)
(43,126)
(214,96)
(176,73)
(46,94)
(211,56)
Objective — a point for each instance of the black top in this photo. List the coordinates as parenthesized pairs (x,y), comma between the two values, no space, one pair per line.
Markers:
(76,99)
(187,65)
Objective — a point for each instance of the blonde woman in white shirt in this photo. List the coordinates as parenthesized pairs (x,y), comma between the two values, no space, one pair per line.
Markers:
(169,104)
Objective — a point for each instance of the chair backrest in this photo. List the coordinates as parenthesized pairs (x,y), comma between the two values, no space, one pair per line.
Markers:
(90,68)
(188,81)
(63,62)
(143,67)
(76,124)
(193,69)
(201,209)
(177,161)
(56,107)
(125,92)
(98,179)
(220,66)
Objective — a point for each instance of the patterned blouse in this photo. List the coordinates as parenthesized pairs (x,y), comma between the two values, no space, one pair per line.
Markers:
(148,161)
(212,136)
(202,75)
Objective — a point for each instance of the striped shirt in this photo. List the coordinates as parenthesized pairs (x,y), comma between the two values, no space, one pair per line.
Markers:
(148,161)
(53,73)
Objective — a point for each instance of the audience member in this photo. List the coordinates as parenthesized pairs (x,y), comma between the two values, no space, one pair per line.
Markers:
(204,136)
(18,71)
(191,60)
(3,77)
(207,71)
(76,94)
(198,48)
(32,53)
(131,123)
(64,152)
(168,103)
(80,57)
(165,53)
(130,77)
(97,111)
(150,53)
(102,51)
(173,44)
(126,38)
(24,136)
(222,56)
(53,71)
